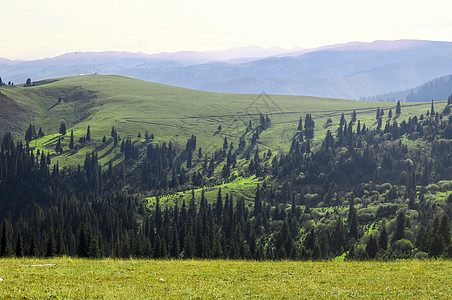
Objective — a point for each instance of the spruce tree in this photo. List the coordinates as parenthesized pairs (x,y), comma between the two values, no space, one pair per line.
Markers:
(437,246)
(19,245)
(175,248)
(62,130)
(444,229)
(352,220)
(372,247)
(342,121)
(189,158)
(30,134)
(82,242)
(398,110)
(88,134)
(189,247)
(71,142)
(40,132)
(94,249)
(58,147)
(353,117)
(400,229)
(6,249)
(50,244)
(33,251)
(383,239)
(257,203)
(60,249)
(219,206)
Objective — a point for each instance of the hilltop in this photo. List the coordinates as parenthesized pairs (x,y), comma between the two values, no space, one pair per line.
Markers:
(169,113)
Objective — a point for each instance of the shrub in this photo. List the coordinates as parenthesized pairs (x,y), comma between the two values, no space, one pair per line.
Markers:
(421,255)
(385,187)
(403,245)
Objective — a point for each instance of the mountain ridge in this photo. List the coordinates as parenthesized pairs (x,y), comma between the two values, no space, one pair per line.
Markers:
(353,70)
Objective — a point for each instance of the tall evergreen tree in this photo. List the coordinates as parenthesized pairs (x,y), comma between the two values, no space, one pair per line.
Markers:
(257,202)
(400,229)
(398,110)
(94,248)
(300,125)
(372,247)
(445,230)
(50,244)
(189,247)
(30,133)
(41,132)
(352,220)
(437,245)
(88,134)
(62,130)
(219,206)
(5,245)
(342,120)
(33,251)
(19,245)
(175,248)
(58,147)
(60,248)
(82,241)
(71,142)
(383,239)
(353,116)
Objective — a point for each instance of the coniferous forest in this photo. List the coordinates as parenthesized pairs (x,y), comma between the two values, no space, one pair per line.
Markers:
(362,194)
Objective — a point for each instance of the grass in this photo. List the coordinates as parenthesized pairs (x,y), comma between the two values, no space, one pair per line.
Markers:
(240,187)
(170,113)
(74,278)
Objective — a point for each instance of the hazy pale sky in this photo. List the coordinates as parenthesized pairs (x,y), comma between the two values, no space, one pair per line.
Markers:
(44,28)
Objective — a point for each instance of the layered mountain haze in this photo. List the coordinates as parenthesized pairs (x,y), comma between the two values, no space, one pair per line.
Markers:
(354,70)
(139,65)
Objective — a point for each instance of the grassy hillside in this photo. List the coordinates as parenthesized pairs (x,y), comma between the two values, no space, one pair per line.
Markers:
(182,279)
(170,113)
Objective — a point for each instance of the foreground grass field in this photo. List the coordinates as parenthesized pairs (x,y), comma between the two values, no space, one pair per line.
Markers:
(206,279)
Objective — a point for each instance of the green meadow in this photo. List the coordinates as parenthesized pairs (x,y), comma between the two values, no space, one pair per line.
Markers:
(71,278)
(170,113)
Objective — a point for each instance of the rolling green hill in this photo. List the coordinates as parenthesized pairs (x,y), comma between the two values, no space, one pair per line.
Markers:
(170,113)
(329,191)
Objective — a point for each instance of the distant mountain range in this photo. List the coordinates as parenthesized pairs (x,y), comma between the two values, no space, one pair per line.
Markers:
(355,70)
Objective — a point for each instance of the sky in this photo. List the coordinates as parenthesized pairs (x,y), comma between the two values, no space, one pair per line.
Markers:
(37,29)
